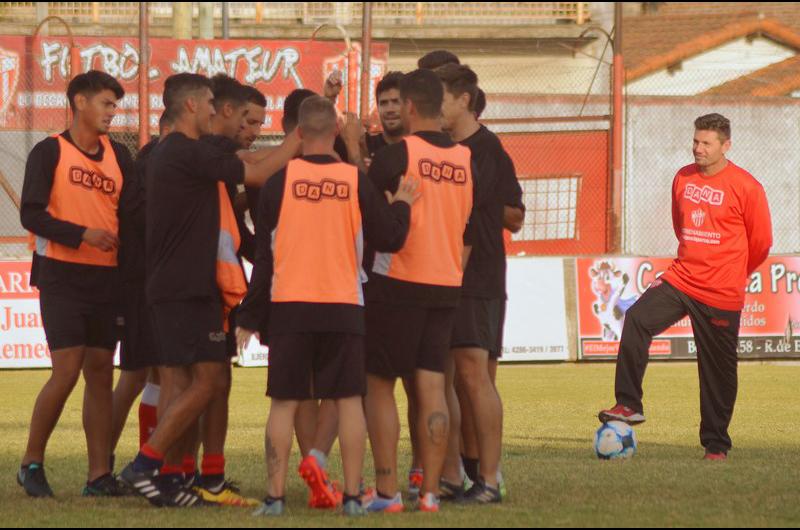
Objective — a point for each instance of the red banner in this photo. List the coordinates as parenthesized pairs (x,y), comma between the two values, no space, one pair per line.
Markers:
(608,287)
(33,73)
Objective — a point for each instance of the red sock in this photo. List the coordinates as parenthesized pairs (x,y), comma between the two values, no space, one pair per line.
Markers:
(189,465)
(213,465)
(170,469)
(151,453)
(148,413)
(148,420)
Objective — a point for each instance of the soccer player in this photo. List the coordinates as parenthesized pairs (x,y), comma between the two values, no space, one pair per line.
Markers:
(231,111)
(387,95)
(254,117)
(437,58)
(412,295)
(478,330)
(193,274)
(253,122)
(313,219)
(316,421)
(69,204)
(722,221)
(138,355)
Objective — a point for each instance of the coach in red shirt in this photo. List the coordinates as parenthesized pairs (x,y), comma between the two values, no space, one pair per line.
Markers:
(722,221)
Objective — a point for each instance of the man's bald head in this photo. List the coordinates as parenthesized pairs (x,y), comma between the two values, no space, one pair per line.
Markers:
(317,118)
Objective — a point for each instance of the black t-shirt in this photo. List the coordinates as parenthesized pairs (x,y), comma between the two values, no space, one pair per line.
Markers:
(83,282)
(182,217)
(485,276)
(247,248)
(132,220)
(385,171)
(384,226)
(341,149)
(374,143)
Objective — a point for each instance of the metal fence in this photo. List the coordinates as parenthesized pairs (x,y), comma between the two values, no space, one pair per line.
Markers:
(310,13)
(732,62)
(549,99)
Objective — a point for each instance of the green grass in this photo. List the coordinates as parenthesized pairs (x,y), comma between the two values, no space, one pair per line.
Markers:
(552,475)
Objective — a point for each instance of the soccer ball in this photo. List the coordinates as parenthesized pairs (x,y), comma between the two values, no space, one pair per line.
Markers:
(615,440)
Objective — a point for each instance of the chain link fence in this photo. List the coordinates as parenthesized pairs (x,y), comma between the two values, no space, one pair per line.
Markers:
(551,109)
(552,113)
(29,112)
(688,60)
(548,97)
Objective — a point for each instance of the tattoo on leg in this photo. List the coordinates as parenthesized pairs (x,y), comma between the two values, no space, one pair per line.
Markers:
(273,462)
(383,472)
(437,428)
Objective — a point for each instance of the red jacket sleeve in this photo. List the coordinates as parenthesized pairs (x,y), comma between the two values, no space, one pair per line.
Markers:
(758,224)
(676,216)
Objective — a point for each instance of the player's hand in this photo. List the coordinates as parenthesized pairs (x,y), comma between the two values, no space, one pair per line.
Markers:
(240,204)
(352,129)
(102,239)
(333,85)
(406,192)
(243,337)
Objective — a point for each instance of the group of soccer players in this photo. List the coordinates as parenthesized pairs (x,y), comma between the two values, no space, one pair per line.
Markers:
(376,257)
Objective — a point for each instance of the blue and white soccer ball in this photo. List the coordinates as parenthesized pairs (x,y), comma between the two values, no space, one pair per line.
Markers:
(615,440)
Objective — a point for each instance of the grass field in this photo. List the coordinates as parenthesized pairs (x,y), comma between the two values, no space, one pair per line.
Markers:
(552,475)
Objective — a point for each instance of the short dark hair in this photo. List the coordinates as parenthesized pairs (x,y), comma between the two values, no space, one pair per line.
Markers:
(91,83)
(291,107)
(715,122)
(389,82)
(425,90)
(317,117)
(255,96)
(460,79)
(180,86)
(480,103)
(227,90)
(437,58)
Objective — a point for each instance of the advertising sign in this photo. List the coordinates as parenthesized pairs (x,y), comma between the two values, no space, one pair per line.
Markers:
(608,287)
(33,73)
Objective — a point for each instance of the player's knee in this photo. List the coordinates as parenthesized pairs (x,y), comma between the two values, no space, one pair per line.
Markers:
(471,371)
(64,381)
(636,315)
(218,387)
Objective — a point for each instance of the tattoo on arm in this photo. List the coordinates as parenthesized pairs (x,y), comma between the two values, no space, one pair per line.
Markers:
(437,428)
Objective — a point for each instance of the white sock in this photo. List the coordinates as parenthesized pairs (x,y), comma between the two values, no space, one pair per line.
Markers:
(322,460)
(151,394)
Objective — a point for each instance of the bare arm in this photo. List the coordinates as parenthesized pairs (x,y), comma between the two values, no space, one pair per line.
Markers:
(353,134)
(256,174)
(254,157)
(465,256)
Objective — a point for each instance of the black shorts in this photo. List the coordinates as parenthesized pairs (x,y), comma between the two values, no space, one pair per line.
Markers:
(402,339)
(69,322)
(316,366)
(138,347)
(479,324)
(230,341)
(189,332)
